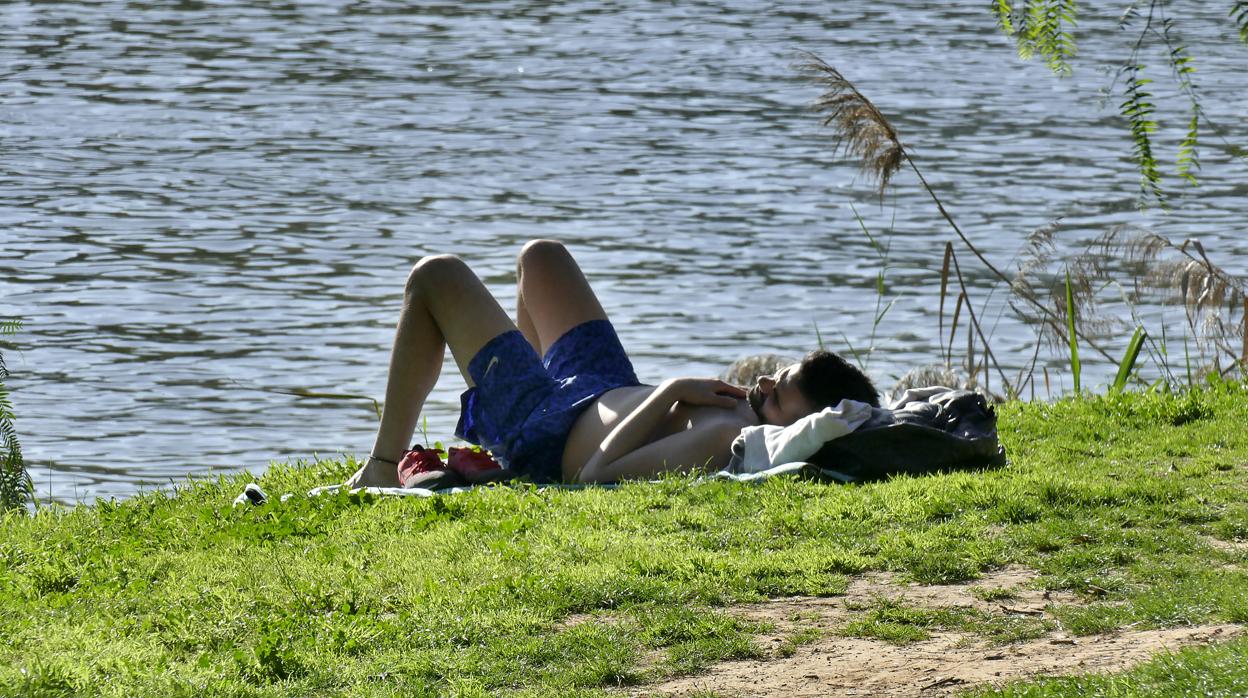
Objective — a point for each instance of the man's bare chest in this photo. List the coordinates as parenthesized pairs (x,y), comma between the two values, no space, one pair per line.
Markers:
(686,417)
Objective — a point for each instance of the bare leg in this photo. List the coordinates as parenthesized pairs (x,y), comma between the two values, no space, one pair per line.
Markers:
(444,304)
(552,294)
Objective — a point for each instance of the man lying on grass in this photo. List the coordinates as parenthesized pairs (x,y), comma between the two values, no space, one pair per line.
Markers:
(554,397)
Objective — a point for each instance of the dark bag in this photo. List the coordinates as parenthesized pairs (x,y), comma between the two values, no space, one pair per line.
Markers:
(948,430)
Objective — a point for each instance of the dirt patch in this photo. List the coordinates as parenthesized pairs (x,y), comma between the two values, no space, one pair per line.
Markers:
(1227,546)
(943,663)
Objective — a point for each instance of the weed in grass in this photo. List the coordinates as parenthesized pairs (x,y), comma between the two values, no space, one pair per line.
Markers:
(694,638)
(896,633)
(1233,525)
(273,656)
(805,636)
(1004,629)
(1092,619)
(993,593)
(894,622)
(43,679)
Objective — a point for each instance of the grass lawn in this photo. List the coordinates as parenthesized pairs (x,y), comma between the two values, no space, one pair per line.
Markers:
(1133,505)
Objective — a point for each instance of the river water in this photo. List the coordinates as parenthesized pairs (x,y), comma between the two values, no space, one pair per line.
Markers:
(207,206)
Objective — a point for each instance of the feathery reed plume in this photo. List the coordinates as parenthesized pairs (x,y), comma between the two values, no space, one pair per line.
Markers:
(860,128)
(867,132)
(864,131)
(1132,266)
(1215,303)
(1037,281)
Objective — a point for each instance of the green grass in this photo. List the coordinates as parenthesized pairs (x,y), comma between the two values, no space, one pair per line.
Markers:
(516,591)
(899,624)
(1218,670)
(993,593)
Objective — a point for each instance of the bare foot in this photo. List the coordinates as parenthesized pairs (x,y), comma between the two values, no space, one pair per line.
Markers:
(374,473)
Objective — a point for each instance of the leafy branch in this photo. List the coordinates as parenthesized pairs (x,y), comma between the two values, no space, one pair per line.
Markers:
(1240,14)
(1138,109)
(1043,28)
(1040,28)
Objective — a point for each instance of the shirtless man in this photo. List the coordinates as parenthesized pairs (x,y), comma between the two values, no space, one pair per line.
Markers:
(583,416)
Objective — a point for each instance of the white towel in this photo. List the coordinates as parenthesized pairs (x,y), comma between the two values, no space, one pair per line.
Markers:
(767,446)
(918,395)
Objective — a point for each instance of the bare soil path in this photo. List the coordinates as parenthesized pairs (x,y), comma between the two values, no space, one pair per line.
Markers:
(944,663)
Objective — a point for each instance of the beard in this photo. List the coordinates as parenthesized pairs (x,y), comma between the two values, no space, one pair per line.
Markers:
(756,399)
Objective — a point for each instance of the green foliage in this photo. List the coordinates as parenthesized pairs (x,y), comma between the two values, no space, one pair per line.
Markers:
(993,593)
(1138,110)
(1181,65)
(1240,14)
(16,487)
(1043,28)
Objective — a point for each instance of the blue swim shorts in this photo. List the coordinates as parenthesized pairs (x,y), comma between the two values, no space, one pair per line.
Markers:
(522,407)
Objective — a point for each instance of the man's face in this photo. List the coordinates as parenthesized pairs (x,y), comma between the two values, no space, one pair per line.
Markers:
(777,400)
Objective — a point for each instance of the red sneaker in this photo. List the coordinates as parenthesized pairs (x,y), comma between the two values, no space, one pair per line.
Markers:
(421,467)
(477,467)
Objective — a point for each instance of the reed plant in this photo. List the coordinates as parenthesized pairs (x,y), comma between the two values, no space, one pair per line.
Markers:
(1071,301)
(1125,269)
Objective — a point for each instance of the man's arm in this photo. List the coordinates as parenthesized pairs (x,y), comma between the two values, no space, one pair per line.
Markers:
(625,453)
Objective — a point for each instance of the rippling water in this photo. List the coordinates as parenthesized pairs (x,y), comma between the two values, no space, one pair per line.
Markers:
(205,204)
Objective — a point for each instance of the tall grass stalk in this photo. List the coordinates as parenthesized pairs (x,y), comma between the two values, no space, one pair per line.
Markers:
(1075,368)
(1127,365)
(881,308)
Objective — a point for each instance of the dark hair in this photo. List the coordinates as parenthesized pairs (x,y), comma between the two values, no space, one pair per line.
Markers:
(825,379)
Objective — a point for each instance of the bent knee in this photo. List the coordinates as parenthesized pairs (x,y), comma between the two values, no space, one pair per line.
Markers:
(541,252)
(436,269)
